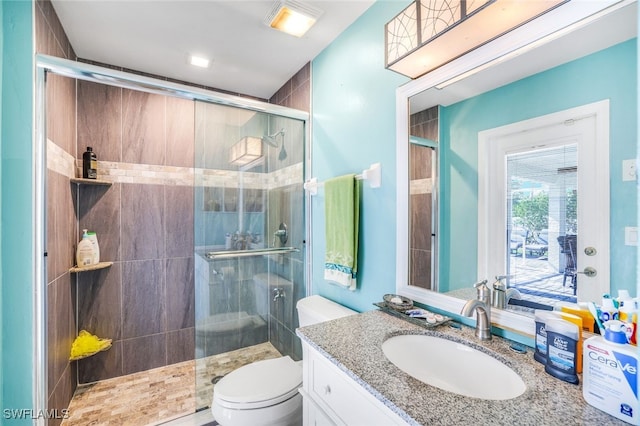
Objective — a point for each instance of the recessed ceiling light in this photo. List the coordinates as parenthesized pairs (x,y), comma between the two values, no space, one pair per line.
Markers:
(199,61)
(292,17)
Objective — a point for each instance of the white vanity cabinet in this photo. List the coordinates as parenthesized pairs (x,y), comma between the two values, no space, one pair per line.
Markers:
(333,398)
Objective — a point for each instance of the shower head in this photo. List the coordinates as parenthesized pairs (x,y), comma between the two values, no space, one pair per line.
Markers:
(271,139)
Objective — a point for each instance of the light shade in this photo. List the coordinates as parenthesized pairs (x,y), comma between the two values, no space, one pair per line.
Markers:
(292,17)
(245,151)
(429,34)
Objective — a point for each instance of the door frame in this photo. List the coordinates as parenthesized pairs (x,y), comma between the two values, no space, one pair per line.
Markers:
(594,159)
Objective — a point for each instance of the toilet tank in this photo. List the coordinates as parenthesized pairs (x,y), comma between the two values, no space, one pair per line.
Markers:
(316,309)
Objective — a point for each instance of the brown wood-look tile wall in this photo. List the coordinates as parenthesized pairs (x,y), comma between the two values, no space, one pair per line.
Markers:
(295,93)
(103,135)
(423,124)
(145,302)
(61,226)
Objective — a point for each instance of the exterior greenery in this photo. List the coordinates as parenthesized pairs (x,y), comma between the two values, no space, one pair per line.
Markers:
(532,212)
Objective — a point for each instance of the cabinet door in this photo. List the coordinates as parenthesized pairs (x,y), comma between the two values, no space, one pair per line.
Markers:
(312,414)
(343,400)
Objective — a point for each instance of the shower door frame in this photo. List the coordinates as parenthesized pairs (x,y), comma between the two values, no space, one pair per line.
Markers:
(82,71)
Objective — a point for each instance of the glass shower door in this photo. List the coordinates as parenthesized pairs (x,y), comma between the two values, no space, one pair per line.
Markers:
(249,234)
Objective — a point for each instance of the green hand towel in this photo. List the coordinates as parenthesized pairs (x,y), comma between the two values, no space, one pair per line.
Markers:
(342,215)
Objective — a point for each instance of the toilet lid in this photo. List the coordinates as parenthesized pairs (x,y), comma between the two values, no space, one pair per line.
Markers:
(260,384)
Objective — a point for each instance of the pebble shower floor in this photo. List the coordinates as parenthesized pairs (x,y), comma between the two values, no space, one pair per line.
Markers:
(156,396)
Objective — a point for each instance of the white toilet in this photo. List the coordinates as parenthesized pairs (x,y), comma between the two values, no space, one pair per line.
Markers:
(266,392)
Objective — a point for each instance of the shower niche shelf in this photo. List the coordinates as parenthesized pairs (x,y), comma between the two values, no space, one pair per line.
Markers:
(98,182)
(95,267)
(95,183)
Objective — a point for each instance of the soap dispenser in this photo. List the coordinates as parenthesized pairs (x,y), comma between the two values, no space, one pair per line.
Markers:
(85,254)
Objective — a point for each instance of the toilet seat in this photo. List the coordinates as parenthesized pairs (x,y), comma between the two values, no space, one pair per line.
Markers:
(260,384)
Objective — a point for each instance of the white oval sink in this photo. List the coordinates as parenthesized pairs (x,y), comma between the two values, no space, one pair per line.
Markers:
(453,367)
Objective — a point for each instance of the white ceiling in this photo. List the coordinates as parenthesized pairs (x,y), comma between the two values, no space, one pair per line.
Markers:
(250,58)
(157,37)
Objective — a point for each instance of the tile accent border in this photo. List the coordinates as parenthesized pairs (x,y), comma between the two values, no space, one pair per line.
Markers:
(60,161)
(421,186)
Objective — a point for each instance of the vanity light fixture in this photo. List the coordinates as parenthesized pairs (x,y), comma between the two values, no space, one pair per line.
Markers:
(429,34)
(292,17)
(246,150)
(199,61)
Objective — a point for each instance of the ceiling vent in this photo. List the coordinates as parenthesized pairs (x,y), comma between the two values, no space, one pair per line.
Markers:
(292,17)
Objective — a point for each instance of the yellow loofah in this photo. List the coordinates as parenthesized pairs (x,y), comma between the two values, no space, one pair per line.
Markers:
(86,344)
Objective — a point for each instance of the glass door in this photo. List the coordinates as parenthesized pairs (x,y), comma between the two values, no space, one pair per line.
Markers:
(543,219)
(542,223)
(249,239)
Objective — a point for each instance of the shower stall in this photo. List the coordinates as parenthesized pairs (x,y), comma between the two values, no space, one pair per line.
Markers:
(201,216)
(249,236)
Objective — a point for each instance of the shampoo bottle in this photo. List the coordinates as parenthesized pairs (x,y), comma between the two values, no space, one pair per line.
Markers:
(85,252)
(610,379)
(89,164)
(96,248)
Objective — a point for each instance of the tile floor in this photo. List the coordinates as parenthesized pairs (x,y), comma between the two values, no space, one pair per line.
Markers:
(156,396)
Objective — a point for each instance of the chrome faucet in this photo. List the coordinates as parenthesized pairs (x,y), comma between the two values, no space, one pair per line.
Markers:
(483,317)
(278,293)
(484,294)
(499,296)
(482,307)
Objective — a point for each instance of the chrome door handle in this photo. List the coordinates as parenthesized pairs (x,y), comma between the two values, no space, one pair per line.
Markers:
(589,271)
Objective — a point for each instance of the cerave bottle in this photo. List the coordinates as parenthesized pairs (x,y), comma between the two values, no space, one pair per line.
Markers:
(610,378)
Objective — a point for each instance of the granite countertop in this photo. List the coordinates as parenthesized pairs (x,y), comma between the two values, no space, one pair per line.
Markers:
(354,345)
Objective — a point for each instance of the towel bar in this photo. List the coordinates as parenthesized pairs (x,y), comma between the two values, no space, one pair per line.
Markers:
(372,175)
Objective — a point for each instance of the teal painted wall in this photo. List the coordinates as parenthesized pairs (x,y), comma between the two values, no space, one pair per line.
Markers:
(16,208)
(608,74)
(354,123)
(1,310)
(353,99)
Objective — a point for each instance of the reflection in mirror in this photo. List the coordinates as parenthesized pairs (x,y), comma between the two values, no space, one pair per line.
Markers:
(423,154)
(592,63)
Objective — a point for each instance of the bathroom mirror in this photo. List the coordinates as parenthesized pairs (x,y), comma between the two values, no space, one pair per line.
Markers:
(506,68)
